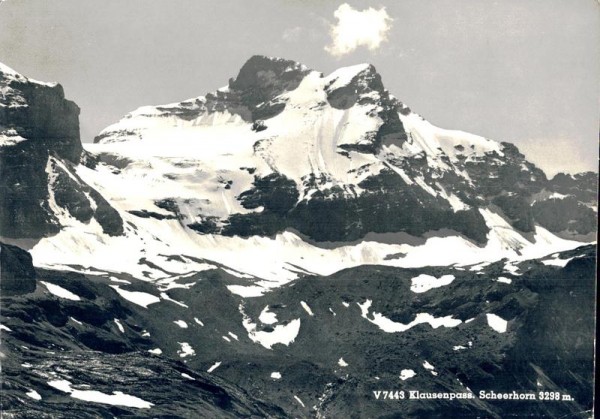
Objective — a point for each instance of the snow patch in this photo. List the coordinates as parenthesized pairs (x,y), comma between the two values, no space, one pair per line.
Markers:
(557,262)
(121,281)
(267,317)
(342,363)
(406,374)
(423,282)
(214,367)
(430,368)
(390,326)
(284,334)
(276,375)
(306,308)
(62,385)
(34,394)
(137,297)
(299,401)
(497,323)
(186,350)
(166,297)
(116,399)
(246,291)
(119,325)
(504,280)
(181,324)
(60,292)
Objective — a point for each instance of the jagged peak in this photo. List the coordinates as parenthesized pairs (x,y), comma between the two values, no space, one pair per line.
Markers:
(261,71)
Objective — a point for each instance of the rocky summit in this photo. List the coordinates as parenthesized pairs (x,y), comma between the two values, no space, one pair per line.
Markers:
(293,244)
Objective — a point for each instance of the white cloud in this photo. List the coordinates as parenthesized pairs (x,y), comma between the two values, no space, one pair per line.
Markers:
(356,28)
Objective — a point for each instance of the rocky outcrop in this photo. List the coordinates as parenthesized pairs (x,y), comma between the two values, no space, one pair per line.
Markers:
(39,149)
(388,205)
(261,79)
(568,205)
(39,112)
(17,275)
(583,186)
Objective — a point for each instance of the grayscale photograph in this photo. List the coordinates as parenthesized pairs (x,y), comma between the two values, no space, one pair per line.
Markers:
(298,208)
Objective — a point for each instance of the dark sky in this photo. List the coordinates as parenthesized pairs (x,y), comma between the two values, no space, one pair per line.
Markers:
(523,71)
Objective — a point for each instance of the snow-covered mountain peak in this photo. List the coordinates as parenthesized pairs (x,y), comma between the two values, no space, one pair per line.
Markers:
(282,158)
(280,125)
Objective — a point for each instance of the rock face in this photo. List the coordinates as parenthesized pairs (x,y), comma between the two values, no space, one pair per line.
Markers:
(17,275)
(39,148)
(571,206)
(39,111)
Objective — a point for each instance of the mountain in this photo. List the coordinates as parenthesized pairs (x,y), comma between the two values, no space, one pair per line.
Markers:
(288,245)
(331,171)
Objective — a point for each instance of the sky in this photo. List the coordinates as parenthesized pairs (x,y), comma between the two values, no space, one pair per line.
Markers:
(522,71)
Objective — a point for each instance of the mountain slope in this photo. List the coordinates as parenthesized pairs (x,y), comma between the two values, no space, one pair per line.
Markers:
(318,347)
